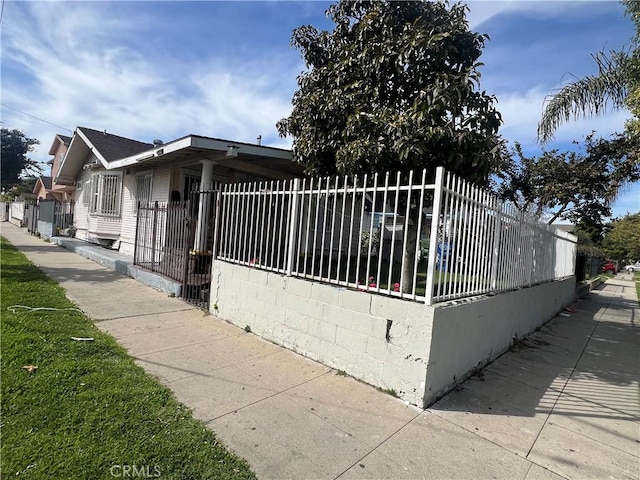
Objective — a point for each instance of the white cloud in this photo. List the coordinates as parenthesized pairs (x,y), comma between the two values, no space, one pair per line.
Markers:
(87,71)
(481,11)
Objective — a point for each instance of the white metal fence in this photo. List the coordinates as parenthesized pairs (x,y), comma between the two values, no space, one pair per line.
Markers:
(378,233)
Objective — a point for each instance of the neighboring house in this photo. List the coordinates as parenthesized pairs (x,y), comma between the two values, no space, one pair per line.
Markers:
(46,188)
(112,174)
(43,188)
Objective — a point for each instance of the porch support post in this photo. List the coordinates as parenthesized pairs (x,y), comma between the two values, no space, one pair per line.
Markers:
(200,244)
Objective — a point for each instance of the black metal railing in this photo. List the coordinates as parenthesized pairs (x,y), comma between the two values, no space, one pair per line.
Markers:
(175,239)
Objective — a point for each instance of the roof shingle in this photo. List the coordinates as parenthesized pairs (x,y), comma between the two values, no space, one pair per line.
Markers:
(113,147)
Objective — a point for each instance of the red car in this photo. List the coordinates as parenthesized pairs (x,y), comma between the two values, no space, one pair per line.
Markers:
(609,267)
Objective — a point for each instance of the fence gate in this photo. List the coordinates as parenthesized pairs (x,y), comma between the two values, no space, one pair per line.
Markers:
(175,239)
(31,217)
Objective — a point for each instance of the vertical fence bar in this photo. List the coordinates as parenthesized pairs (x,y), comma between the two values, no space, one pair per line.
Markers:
(350,244)
(342,215)
(370,246)
(364,193)
(324,226)
(306,238)
(292,224)
(333,224)
(405,237)
(433,239)
(282,197)
(153,237)
(416,260)
(136,238)
(216,224)
(382,229)
(269,234)
(392,253)
(302,196)
(495,254)
(463,255)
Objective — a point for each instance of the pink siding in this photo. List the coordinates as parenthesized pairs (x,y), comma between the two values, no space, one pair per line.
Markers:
(160,188)
(91,227)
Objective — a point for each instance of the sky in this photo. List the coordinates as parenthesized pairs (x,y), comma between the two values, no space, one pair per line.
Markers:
(161,70)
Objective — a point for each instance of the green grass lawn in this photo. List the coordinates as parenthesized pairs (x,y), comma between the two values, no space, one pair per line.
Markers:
(88,411)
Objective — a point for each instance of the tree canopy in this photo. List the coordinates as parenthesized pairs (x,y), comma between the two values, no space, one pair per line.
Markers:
(577,186)
(394,86)
(622,238)
(14,160)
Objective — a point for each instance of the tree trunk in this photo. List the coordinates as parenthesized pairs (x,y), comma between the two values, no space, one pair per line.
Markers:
(410,251)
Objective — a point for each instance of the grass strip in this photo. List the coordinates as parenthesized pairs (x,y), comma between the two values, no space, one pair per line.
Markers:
(87,411)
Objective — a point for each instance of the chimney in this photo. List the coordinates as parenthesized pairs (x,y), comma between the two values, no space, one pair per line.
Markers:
(259,139)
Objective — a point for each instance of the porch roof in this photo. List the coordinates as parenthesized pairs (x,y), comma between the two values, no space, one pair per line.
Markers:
(259,160)
(114,152)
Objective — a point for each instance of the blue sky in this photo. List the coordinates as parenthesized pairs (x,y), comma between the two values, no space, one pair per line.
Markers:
(150,70)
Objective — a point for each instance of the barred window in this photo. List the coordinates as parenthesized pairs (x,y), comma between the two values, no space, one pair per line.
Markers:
(143,190)
(106,192)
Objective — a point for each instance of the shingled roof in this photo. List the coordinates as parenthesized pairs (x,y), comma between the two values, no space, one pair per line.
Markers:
(66,140)
(112,147)
(46,181)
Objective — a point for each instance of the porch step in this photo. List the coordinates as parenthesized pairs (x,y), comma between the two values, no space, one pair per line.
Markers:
(118,262)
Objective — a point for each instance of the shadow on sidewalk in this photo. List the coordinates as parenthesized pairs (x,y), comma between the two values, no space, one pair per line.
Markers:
(582,366)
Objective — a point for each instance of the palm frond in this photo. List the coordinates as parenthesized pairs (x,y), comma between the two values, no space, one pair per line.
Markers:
(586,97)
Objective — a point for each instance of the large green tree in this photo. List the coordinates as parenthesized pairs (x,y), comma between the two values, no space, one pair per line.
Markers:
(395,86)
(15,161)
(616,85)
(622,238)
(578,186)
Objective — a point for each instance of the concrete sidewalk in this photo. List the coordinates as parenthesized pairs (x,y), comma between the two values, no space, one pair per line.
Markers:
(564,404)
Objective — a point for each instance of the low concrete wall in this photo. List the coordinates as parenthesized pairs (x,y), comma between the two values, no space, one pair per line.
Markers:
(416,350)
(468,334)
(119,263)
(380,340)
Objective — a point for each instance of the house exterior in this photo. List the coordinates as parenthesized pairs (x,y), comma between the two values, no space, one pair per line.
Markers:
(112,174)
(46,188)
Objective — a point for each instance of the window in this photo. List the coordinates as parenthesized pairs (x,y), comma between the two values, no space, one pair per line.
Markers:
(143,190)
(86,192)
(105,194)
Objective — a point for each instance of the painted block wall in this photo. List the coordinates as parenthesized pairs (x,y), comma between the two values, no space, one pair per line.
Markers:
(339,327)
(468,334)
(419,351)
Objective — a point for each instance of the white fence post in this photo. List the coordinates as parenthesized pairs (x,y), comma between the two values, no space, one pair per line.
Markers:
(293,219)
(433,240)
(495,257)
(216,225)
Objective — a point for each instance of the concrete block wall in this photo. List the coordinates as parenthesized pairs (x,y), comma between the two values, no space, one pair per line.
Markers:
(417,350)
(380,340)
(468,334)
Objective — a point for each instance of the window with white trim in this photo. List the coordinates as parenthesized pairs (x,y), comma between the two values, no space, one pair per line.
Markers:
(106,194)
(143,190)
